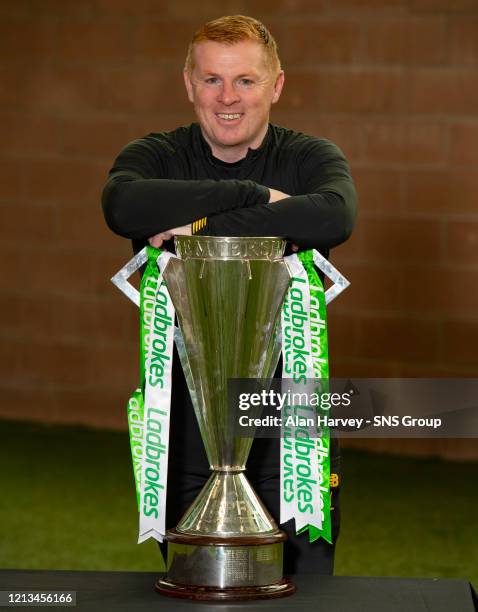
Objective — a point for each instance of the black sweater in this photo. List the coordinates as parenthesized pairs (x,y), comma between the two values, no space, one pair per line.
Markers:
(170,179)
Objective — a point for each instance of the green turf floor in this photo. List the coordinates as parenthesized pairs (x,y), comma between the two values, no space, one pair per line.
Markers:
(68,502)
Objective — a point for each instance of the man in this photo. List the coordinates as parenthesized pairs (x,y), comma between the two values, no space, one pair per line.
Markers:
(233,174)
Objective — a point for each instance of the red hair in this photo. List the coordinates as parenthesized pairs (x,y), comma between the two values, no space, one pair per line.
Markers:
(232,29)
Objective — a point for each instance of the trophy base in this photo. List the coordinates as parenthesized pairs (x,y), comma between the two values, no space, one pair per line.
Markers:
(221,568)
(281,589)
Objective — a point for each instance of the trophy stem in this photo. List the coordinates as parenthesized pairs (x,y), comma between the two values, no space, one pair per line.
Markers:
(227,506)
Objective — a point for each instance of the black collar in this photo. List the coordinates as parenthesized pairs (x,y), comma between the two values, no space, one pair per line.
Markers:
(251,156)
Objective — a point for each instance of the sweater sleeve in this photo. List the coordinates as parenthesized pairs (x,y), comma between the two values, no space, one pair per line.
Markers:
(140,199)
(321,217)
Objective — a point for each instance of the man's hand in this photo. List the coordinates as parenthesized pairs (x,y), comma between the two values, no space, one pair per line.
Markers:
(158,239)
(275,195)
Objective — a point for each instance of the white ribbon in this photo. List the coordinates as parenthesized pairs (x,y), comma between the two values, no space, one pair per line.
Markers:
(299,459)
(157,405)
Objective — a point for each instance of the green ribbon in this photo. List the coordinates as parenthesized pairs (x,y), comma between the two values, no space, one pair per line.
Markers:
(136,401)
(320,360)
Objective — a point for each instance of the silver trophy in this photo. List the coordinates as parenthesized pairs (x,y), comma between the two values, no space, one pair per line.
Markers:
(227,293)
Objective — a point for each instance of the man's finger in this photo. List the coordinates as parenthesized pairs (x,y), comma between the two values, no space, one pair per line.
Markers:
(155,241)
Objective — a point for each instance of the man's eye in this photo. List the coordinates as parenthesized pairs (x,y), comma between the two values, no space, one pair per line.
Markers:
(246,82)
(212,81)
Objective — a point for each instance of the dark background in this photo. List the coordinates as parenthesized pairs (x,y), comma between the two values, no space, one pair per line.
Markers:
(393,82)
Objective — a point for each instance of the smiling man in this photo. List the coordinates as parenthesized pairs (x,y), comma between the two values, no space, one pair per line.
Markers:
(232,88)
(233,174)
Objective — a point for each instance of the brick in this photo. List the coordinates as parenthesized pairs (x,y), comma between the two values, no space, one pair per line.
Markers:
(30,134)
(354,90)
(442,5)
(464,40)
(379,190)
(206,10)
(164,40)
(351,250)
(95,138)
(62,8)
(368,5)
(361,367)
(52,89)
(464,143)
(14,86)
(26,39)
(407,41)
(27,224)
(13,179)
(442,91)
(11,326)
(447,191)
(55,364)
(284,7)
(440,291)
(103,408)
(10,361)
(95,41)
(406,142)
(374,288)
(302,93)
(68,320)
(361,90)
(118,366)
(83,226)
(458,449)
(342,336)
(460,339)
(143,89)
(324,42)
(65,181)
(73,272)
(462,242)
(21,403)
(401,239)
(346,133)
(15,10)
(118,89)
(442,369)
(64,364)
(124,9)
(411,447)
(399,338)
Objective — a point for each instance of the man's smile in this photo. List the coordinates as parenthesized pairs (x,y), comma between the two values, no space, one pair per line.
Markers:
(229,116)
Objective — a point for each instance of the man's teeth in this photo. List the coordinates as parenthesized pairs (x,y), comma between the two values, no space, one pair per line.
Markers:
(229,117)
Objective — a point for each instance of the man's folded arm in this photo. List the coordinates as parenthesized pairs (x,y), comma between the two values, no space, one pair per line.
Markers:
(318,221)
(322,217)
(139,200)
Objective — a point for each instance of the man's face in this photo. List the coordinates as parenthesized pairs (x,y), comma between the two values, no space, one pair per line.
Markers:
(232,88)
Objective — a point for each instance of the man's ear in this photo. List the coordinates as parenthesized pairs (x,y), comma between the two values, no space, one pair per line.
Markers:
(279,84)
(189,85)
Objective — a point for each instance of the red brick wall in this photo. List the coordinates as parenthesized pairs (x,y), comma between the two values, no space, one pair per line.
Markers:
(393,82)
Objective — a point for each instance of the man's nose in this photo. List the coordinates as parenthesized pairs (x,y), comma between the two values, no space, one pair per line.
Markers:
(228,94)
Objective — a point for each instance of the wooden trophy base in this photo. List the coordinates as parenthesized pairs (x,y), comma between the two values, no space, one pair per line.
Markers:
(225,569)
(281,589)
